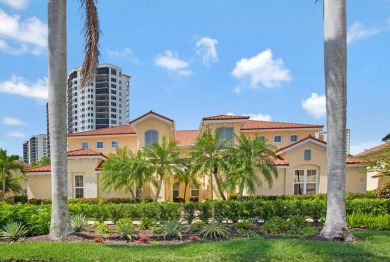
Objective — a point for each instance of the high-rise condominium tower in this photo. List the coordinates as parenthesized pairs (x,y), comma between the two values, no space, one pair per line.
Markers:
(35,148)
(104,102)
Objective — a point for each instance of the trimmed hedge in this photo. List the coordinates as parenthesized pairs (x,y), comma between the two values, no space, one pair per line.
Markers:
(37,217)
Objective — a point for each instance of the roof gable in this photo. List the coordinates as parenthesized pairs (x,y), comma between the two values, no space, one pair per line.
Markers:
(301,142)
(149,115)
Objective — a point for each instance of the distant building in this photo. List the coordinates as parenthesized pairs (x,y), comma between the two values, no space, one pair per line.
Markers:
(35,148)
(324,136)
(103,103)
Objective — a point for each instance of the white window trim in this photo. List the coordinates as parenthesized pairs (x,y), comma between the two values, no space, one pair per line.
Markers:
(74,185)
(281,139)
(97,144)
(294,135)
(305,180)
(117,142)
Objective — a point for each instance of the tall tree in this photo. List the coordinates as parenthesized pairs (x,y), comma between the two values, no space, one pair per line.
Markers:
(249,160)
(208,156)
(165,161)
(335,57)
(386,138)
(57,72)
(187,175)
(7,165)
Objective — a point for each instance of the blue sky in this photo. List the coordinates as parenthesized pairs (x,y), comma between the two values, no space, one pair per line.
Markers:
(191,59)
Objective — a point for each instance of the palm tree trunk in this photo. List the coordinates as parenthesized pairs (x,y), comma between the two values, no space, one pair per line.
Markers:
(335,55)
(219,186)
(241,191)
(132,193)
(139,193)
(185,191)
(158,189)
(3,189)
(60,223)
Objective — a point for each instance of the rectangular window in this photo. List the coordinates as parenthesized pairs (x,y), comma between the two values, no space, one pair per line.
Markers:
(227,134)
(307,154)
(78,186)
(99,145)
(114,144)
(113,71)
(194,190)
(305,182)
(84,145)
(175,192)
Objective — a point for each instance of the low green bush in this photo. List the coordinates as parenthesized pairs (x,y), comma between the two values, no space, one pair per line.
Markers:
(126,228)
(276,225)
(243,225)
(102,229)
(189,211)
(370,221)
(147,222)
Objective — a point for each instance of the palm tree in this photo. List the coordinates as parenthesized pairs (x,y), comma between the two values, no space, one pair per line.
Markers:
(43,161)
(164,160)
(124,170)
(250,159)
(208,157)
(335,54)
(7,165)
(386,138)
(57,72)
(187,175)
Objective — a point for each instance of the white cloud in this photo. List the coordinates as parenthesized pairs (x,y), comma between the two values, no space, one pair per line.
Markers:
(19,86)
(19,37)
(356,32)
(260,117)
(16,134)
(12,121)
(206,49)
(16,4)
(262,70)
(171,61)
(315,105)
(120,54)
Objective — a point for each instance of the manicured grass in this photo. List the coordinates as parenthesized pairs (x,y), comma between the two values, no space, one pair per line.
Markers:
(374,247)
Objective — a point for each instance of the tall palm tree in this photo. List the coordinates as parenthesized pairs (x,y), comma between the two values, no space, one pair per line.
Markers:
(250,159)
(164,160)
(187,175)
(7,165)
(208,156)
(57,72)
(124,170)
(335,55)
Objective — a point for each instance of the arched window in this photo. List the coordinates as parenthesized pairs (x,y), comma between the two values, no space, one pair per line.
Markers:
(293,138)
(151,136)
(277,139)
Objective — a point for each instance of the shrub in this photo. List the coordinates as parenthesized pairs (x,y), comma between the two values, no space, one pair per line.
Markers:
(193,238)
(115,212)
(98,240)
(189,211)
(383,192)
(147,223)
(172,229)
(39,222)
(78,222)
(214,230)
(276,225)
(102,229)
(143,240)
(126,228)
(298,221)
(243,225)
(178,200)
(205,211)
(13,231)
(169,211)
(196,226)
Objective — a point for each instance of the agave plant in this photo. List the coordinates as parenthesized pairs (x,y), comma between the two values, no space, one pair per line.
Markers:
(172,228)
(13,231)
(78,222)
(214,230)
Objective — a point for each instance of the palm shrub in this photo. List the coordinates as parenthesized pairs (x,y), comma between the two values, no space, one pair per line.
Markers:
(214,230)
(13,231)
(243,225)
(102,229)
(196,226)
(276,225)
(126,228)
(115,212)
(147,222)
(78,222)
(172,228)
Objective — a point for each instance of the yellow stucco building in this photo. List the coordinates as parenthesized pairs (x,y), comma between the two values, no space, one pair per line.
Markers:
(301,162)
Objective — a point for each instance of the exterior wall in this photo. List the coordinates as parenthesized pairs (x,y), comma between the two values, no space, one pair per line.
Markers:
(130,141)
(163,128)
(356,181)
(39,186)
(285,134)
(214,125)
(278,186)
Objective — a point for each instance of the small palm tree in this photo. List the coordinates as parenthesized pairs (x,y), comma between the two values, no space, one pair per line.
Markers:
(187,175)
(250,159)
(164,161)
(8,164)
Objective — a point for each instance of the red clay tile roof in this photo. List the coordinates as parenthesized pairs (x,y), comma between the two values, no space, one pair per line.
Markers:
(373,149)
(115,130)
(355,160)
(224,117)
(85,152)
(186,137)
(257,124)
(299,141)
(153,113)
(280,161)
(39,169)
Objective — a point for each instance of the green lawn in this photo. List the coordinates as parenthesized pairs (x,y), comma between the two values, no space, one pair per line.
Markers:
(374,247)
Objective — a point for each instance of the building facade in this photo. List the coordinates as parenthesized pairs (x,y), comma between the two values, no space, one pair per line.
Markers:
(301,158)
(35,148)
(103,103)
